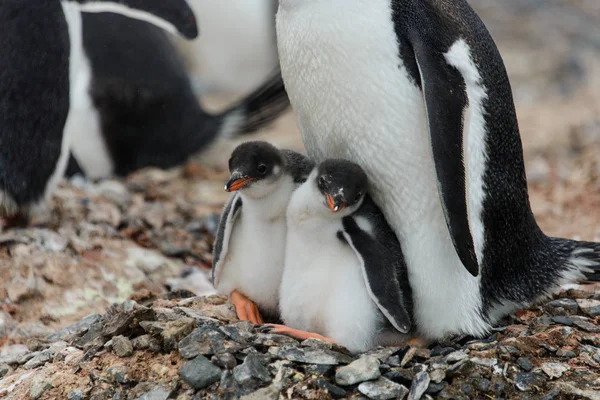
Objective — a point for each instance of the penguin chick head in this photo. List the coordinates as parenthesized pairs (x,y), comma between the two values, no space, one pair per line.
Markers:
(255,168)
(343,185)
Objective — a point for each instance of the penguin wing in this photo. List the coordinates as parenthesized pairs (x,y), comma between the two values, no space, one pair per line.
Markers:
(228,217)
(446,101)
(380,264)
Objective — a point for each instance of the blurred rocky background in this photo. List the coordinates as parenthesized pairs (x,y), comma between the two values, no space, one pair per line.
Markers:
(102,298)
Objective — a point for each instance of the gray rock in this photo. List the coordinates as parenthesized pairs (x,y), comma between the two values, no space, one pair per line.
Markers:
(312,356)
(200,341)
(437,375)
(317,344)
(528,381)
(333,390)
(122,346)
(393,361)
(565,353)
(158,393)
(586,325)
(555,370)
(589,307)
(4,369)
(75,394)
(511,350)
(364,369)
(251,370)
(562,307)
(563,320)
(200,373)
(39,385)
(456,356)
(383,389)
(40,359)
(484,385)
(484,362)
(142,342)
(270,339)
(77,328)
(268,393)
(525,363)
(225,360)
(118,373)
(594,352)
(240,332)
(419,386)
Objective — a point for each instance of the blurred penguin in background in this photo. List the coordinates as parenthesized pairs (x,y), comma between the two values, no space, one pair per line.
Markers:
(237,47)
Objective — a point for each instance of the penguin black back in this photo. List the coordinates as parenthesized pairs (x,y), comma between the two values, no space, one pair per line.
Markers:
(147,108)
(34,78)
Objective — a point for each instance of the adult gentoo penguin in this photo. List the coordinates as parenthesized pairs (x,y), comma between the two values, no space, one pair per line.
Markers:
(415,91)
(344,278)
(142,111)
(42,74)
(250,245)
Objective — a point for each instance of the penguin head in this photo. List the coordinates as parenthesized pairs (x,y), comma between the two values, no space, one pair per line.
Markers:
(174,16)
(255,168)
(343,185)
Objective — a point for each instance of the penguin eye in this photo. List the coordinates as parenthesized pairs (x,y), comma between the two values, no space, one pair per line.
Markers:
(322,182)
(357,197)
(262,169)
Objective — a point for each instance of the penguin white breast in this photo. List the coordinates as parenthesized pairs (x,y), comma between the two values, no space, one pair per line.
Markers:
(354,99)
(322,288)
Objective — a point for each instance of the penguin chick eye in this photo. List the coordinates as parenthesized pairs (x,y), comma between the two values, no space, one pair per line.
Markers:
(322,182)
(262,169)
(357,197)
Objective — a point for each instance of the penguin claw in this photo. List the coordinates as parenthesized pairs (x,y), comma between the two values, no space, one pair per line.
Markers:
(245,308)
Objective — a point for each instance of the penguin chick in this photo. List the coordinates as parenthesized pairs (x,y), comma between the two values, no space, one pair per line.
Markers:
(344,275)
(250,246)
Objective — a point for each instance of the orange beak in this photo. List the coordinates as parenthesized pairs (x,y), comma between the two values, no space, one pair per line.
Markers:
(236,184)
(333,205)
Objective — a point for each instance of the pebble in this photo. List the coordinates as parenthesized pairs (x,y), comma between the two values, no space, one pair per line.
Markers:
(252,369)
(122,346)
(419,386)
(268,393)
(199,342)
(562,307)
(525,363)
(310,356)
(226,360)
(383,389)
(563,320)
(565,353)
(118,373)
(586,326)
(75,394)
(589,307)
(4,369)
(484,362)
(456,356)
(200,373)
(364,369)
(484,385)
(555,370)
(528,381)
(39,385)
(332,389)
(158,393)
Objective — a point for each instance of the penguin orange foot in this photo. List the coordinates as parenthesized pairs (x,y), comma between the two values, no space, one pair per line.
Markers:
(245,308)
(295,333)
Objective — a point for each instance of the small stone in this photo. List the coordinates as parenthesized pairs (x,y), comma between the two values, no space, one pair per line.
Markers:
(200,373)
(484,362)
(435,388)
(333,390)
(526,382)
(419,386)
(511,350)
(466,389)
(118,373)
(456,356)
(122,346)
(319,369)
(562,307)
(225,360)
(551,395)
(566,353)
(441,351)
(563,320)
(312,356)
(586,326)
(361,370)
(158,393)
(4,369)
(383,389)
(75,394)
(199,342)
(317,344)
(39,385)
(525,363)
(141,342)
(589,307)
(39,359)
(484,385)
(555,370)
(252,369)
(268,393)
(393,361)
(549,348)
(437,375)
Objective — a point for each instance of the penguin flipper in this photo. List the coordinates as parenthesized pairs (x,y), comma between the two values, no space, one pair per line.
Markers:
(446,100)
(380,272)
(230,213)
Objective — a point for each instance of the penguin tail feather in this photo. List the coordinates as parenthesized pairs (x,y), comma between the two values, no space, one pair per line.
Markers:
(258,109)
(584,259)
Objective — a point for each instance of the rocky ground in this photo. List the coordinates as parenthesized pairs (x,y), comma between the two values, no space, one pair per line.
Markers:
(106,296)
